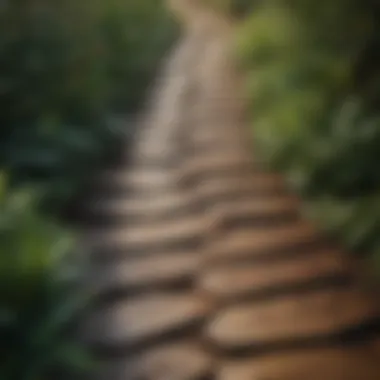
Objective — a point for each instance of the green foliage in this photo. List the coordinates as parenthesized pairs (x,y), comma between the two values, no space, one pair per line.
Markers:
(137,34)
(234,8)
(70,71)
(314,80)
(66,69)
(40,293)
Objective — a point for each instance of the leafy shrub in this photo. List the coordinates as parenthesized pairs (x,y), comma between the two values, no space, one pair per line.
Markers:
(314,81)
(67,69)
(138,33)
(234,8)
(40,297)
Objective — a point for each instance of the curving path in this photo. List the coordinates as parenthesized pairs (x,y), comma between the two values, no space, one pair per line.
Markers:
(204,267)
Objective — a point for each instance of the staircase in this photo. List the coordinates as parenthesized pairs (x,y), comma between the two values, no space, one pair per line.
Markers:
(202,265)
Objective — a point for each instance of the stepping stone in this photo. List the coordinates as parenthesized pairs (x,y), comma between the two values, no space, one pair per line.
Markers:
(219,162)
(215,186)
(251,243)
(235,183)
(217,139)
(160,148)
(291,319)
(222,156)
(214,133)
(141,177)
(269,181)
(255,210)
(228,283)
(205,146)
(145,271)
(175,161)
(346,363)
(181,361)
(126,324)
(218,191)
(187,362)
(149,234)
(144,205)
(223,148)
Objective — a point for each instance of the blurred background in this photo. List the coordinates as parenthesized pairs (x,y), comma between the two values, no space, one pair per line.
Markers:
(73,74)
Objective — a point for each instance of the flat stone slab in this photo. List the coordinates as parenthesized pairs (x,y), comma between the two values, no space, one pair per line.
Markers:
(132,322)
(293,318)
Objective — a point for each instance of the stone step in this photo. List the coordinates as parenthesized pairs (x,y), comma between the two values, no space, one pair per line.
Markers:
(143,272)
(141,205)
(202,146)
(187,362)
(248,243)
(205,162)
(232,283)
(300,317)
(213,135)
(171,162)
(111,252)
(357,362)
(148,234)
(140,176)
(219,157)
(177,361)
(236,182)
(128,324)
(159,149)
(255,212)
(224,147)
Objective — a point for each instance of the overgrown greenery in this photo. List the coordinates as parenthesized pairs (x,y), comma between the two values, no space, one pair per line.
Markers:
(314,82)
(70,72)
(233,8)
(40,293)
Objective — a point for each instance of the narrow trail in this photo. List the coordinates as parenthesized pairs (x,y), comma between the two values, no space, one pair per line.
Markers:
(202,266)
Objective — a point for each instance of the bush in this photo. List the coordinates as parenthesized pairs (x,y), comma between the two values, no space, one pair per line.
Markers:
(40,297)
(71,73)
(68,68)
(314,81)
(234,8)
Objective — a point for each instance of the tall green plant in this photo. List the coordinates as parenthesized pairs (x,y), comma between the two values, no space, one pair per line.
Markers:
(66,69)
(314,80)
(40,296)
